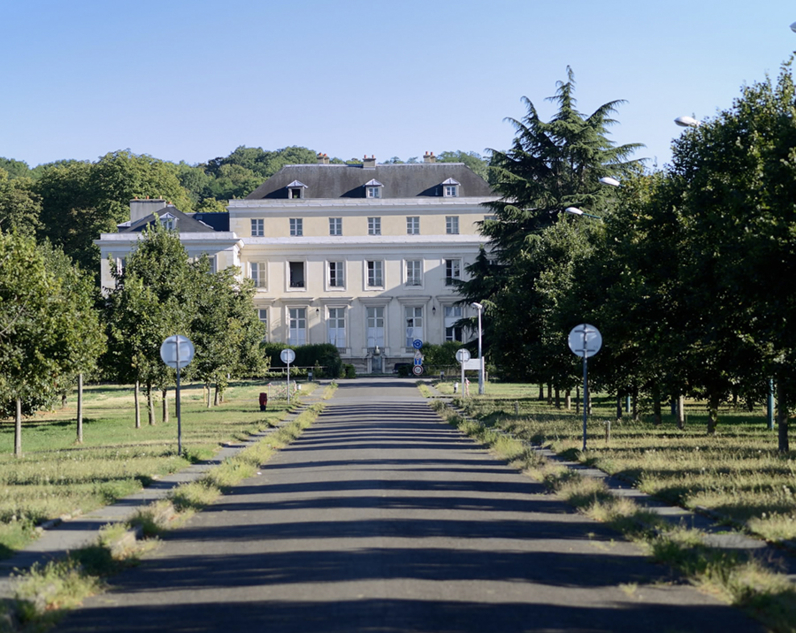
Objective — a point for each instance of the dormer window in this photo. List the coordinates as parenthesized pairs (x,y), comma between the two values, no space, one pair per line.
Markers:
(168,221)
(373,188)
(295,190)
(450,188)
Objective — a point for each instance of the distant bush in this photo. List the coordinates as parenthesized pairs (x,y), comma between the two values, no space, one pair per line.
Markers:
(324,355)
(350,371)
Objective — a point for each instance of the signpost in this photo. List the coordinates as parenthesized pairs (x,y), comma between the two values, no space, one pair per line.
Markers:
(462,355)
(177,351)
(288,356)
(585,340)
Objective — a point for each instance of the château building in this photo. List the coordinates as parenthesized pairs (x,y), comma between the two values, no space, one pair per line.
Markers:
(360,256)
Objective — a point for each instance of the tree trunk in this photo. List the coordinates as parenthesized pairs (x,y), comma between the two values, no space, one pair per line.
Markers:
(568,399)
(215,396)
(18,429)
(165,393)
(207,395)
(782,417)
(577,400)
(549,395)
(618,407)
(657,409)
(713,414)
(150,405)
(680,412)
(80,408)
(558,398)
(137,405)
(63,401)
(635,404)
(541,393)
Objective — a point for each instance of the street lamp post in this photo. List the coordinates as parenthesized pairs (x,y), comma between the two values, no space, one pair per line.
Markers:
(576,211)
(480,307)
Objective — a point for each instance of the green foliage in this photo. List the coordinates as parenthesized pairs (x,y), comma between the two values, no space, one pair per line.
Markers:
(20,206)
(49,330)
(349,371)
(324,354)
(535,247)
(81,200)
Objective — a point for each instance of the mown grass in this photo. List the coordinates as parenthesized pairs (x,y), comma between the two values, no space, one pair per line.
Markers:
(738,472)
(740,579)
(57,477)
(44,593)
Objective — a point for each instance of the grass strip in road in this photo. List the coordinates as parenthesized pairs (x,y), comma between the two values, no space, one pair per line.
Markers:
(45,593)
(737,474)
(56,477)
(740,579)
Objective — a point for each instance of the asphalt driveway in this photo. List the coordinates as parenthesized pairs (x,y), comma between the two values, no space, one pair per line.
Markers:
(381,518)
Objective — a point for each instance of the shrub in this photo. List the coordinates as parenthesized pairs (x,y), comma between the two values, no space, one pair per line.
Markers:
(350,372)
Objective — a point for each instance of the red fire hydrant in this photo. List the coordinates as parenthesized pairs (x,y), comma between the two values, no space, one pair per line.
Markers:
(263,401)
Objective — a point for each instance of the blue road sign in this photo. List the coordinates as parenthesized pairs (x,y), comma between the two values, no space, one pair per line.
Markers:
(417,343)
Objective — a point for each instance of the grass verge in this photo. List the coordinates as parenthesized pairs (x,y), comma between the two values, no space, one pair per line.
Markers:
(57,477)
(45,593)
(738,578)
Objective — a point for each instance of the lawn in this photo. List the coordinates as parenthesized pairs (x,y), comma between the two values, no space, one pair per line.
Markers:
(737,473)
(56,476)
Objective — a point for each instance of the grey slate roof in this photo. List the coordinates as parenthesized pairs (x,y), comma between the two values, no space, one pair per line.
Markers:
(185,223)
(348,181)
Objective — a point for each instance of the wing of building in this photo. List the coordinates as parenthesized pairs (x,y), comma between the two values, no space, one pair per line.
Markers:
(360,256)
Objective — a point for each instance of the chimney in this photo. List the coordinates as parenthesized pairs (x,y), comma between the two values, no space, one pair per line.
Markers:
(369,163)
(429,157)
(323,159)
(142,208)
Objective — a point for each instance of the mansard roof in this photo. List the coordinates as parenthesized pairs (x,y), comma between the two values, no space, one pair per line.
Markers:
(349,181)
(185,223)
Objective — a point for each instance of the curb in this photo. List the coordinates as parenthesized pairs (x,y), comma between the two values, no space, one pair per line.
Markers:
(61,535)
(712,523)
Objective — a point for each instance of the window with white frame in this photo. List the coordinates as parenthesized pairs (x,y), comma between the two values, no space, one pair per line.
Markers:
(451,191)
(257,274)
(414,324)
(335,326)
(375,327)
(297,326)
(168,221)
(413,225)
(296,227)
(374,192)
(374,226)
(337,274)
(414,272)
(453,271)
(335,226)
(452,315)
(262,314)
(375,274)
(258,228)
(211,259)
(452,224)
(296,272)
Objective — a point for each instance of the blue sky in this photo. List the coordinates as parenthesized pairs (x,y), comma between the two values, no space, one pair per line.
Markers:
(193,79)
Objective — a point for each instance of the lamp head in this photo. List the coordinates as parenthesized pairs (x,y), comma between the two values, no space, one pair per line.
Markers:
(477,306)
(687,121)
(574,210)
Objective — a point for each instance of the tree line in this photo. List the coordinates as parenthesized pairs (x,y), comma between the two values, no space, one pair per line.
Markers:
(687,271)
(71,202)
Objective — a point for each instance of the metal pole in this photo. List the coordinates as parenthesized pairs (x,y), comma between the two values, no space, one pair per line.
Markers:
(585,396)
(179,419)
(480,358)
(288,383)
(770,407)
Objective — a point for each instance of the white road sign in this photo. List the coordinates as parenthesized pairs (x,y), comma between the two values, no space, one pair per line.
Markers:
(585,340)
(169,351)
(287,356)
(462,355)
